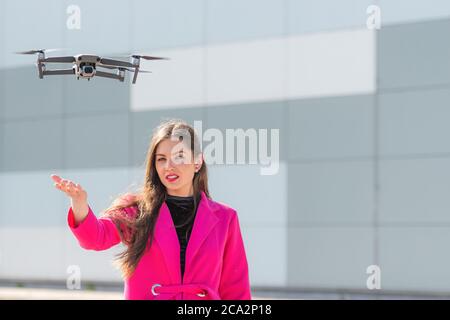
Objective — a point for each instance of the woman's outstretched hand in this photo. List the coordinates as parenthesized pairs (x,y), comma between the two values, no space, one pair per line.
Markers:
(71,189)
(77,195)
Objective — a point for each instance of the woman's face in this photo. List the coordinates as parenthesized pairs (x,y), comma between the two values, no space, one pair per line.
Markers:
(176,168)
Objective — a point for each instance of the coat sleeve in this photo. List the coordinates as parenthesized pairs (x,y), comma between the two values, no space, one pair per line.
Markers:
(234,282)
(94,233)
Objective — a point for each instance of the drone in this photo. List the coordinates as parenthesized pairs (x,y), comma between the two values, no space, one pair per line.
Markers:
(87,65)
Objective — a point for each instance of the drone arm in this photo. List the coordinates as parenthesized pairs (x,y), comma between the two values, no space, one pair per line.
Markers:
(58,72)
(59,59)
(117,63)
(136,71)
(108,75)
(40,70)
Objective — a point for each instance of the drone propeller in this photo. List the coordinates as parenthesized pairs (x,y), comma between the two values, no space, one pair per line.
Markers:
(34,51)
(140,71)
(138,56)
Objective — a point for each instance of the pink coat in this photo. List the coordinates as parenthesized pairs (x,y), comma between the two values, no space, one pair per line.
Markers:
(216,264)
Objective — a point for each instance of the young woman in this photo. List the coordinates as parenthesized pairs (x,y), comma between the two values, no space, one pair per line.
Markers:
(180,244)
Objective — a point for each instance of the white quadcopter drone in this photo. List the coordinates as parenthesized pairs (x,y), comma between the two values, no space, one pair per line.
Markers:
(85,65)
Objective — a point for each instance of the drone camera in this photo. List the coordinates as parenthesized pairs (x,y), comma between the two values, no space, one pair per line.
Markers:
(87,70)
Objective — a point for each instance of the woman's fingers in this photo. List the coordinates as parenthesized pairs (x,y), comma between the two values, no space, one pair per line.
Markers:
(56,178)
(67,186)
(71,189)
(59,181)
(64,184)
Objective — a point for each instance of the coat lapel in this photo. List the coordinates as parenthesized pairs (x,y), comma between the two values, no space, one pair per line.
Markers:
(204,222)
(167,239)
(166,236)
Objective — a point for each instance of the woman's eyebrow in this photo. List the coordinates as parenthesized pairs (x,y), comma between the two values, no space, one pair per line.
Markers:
(175,152)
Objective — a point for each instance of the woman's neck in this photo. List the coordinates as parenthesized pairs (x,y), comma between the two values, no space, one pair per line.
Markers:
(181,193)
(181,197)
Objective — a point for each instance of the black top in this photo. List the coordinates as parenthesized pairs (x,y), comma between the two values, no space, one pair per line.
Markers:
(181,210)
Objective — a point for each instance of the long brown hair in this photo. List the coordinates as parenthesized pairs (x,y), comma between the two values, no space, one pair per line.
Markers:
(137,232)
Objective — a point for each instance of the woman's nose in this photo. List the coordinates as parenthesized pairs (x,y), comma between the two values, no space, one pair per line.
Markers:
(169,164)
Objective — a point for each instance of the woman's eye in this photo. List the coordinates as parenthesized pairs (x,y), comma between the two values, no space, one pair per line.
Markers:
(161,159)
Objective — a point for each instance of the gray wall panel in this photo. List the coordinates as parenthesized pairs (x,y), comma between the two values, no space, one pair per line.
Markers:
(32,25)
(263,115)
(331,193)
(414,54)
(29,200)
(26,95)
(2,146)
(96,141)
(401,11)
(2,35)
(236,20)
(415,191)
(260,200)
(99,95)
(414,122)
(33,145)
(326,15)
(335,127)
(415,259)
(167,23)
(2,95)
(331,258)
(104,27)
